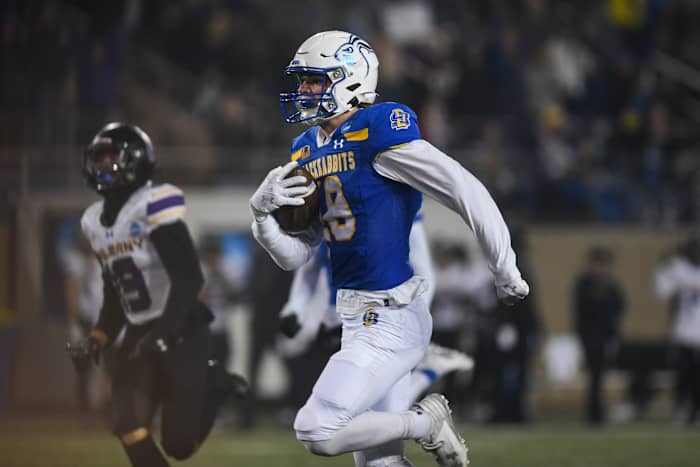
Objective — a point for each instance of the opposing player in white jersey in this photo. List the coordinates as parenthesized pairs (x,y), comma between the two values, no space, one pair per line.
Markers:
(151,277)
(312,285)
(677,279)
(371,166)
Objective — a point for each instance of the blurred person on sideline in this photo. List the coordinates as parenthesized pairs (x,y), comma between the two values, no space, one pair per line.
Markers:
(518,335)
(263,330)
(83,293)
(598,308)
(677,279)
(221,294)
(151,279)
(463,293)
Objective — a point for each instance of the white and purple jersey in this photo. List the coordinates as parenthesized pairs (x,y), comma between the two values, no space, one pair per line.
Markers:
(680,278)
(126,252)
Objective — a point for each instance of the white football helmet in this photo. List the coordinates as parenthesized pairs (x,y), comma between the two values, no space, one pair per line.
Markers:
(350,69)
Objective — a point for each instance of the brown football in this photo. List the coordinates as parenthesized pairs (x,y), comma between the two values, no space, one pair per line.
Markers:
(295,219)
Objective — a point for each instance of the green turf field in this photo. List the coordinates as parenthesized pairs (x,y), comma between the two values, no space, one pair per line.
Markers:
(52,443)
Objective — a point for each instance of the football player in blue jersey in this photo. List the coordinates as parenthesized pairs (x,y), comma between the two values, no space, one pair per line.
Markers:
(151,279)
(372,167)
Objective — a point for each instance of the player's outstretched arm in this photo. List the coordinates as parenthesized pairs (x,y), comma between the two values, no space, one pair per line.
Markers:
(426,168)
(275,191)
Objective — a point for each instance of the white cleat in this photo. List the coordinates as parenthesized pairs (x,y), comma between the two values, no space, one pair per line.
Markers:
(440,361)
(442,441)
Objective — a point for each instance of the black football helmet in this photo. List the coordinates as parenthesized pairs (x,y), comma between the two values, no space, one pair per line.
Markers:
(120,156)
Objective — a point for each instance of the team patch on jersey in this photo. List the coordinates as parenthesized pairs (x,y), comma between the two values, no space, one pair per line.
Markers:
(134,229)
(165,204)
(370,317)
(400,119)
(302,153)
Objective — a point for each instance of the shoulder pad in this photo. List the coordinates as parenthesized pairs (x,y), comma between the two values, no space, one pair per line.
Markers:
(392,124)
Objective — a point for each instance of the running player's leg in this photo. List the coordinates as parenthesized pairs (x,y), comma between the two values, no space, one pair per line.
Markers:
(134,403)
(220,386)
(184,367)
(437,363)
(374,356)
(390,454)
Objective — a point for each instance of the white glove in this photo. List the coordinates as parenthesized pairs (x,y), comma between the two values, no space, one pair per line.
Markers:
(276,191)
(512,291)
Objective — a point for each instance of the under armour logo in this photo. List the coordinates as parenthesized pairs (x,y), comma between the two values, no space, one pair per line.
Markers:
(338,143)
(162,346)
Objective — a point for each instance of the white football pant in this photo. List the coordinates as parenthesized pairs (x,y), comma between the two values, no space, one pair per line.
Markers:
(362,397)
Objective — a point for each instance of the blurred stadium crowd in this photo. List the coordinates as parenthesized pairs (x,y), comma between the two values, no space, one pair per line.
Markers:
(568,111)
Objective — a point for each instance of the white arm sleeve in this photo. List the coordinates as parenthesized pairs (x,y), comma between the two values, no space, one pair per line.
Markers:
(426,168)
(303,287)
(420,258)
(288,252)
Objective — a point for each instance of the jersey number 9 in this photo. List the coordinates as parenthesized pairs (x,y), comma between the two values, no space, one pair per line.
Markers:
(338,216)
(132,287)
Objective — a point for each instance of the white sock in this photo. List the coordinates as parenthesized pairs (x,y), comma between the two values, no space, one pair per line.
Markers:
(421,423)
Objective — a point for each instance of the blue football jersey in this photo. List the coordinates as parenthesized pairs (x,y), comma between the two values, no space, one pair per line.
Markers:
(367,218)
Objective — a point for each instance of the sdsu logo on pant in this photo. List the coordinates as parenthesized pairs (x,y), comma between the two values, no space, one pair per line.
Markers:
(370,317)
